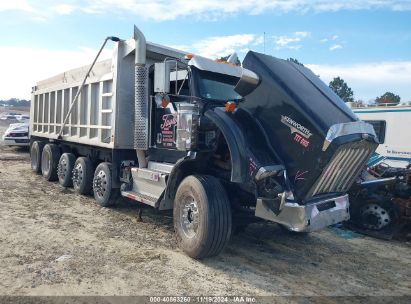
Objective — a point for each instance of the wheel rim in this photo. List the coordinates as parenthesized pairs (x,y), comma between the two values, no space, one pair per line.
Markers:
(45,162)
(375,217)
(78,175)
(100,184)
(62,168)
(189,215)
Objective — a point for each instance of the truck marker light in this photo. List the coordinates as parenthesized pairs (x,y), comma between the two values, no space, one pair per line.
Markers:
(188,56)
(230,106)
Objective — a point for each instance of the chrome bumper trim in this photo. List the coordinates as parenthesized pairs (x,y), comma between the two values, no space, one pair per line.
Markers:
(306,218)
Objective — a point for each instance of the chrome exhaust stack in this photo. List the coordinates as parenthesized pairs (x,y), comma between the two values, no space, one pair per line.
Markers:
(247,83)
(141,110)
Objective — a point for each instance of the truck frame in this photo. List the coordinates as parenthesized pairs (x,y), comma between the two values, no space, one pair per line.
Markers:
(207,139)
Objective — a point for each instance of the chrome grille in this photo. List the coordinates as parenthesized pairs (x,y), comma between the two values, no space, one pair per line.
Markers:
(343,169)
(141,108)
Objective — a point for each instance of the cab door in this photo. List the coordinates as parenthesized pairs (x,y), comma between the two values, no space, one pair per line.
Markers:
(164,110)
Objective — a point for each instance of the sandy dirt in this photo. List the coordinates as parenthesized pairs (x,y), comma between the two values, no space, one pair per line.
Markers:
(54,242)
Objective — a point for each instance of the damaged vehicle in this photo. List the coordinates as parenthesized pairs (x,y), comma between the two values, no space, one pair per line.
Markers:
(381,197)
(209,140)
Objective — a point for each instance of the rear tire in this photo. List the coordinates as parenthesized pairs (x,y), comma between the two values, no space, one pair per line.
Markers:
(202,216)
(49,162)
(377,215)
(65,169)
(103,190)
(82,175)
(35,156)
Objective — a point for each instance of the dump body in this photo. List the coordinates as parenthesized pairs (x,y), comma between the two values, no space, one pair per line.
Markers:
(104,114)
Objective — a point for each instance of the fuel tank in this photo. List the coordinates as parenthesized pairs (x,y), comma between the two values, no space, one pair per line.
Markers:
(306,126)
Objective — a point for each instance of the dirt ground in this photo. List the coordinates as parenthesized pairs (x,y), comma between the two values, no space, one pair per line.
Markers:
(54,242)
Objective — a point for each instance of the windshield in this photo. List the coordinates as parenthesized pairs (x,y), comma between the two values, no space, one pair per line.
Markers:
(216,86)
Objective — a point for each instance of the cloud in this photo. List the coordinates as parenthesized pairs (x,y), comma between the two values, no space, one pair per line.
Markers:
(369,80)
(23,72)
(290,40)
(16,83)
(335,47)
(295,47)
(16,5)
(219,46)
(64,9)
(332,38)
(161,10)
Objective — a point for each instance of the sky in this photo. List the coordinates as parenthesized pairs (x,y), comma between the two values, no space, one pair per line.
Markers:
(366,42)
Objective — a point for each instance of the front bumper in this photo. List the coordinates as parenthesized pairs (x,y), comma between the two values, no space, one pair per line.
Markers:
(16,141)
(307,218)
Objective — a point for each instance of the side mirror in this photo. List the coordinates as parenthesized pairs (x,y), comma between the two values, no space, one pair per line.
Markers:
(162,77)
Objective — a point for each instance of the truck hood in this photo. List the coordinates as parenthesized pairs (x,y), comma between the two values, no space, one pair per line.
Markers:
(303,122)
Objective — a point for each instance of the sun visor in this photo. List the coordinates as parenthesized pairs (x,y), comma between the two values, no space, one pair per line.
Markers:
(206,64)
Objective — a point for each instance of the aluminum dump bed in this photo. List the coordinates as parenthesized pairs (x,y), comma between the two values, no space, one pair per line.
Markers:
(103,116)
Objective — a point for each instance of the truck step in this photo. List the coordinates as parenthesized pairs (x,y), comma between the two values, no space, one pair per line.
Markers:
(160,167)
(142,198)
(147,174)
(148,186)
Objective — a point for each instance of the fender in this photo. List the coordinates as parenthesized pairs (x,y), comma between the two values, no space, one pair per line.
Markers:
(184,167)
(235,141)
(189,164)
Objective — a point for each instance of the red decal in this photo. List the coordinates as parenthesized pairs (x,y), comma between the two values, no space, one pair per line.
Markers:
(167,133)
(168,121)
(301,140)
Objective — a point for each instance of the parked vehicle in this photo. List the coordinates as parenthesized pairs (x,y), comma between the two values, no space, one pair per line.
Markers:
(210,140)
(381,199)
(8,116)
(17,134)
(22,118)
(391,124)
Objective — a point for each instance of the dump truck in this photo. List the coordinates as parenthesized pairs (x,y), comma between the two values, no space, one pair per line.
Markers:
(209,140)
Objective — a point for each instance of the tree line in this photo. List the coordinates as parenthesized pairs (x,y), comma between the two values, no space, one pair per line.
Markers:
(15,102)
(341,88)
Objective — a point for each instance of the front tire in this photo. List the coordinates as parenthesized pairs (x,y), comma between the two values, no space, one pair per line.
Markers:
(49,161)
(103,190)
(202,216)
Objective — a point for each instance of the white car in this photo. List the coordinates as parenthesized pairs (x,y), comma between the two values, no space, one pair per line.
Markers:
(17,135)
(22,118)
(11,115)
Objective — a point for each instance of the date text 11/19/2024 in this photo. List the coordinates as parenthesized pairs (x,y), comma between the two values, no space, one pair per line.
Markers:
(203,299)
